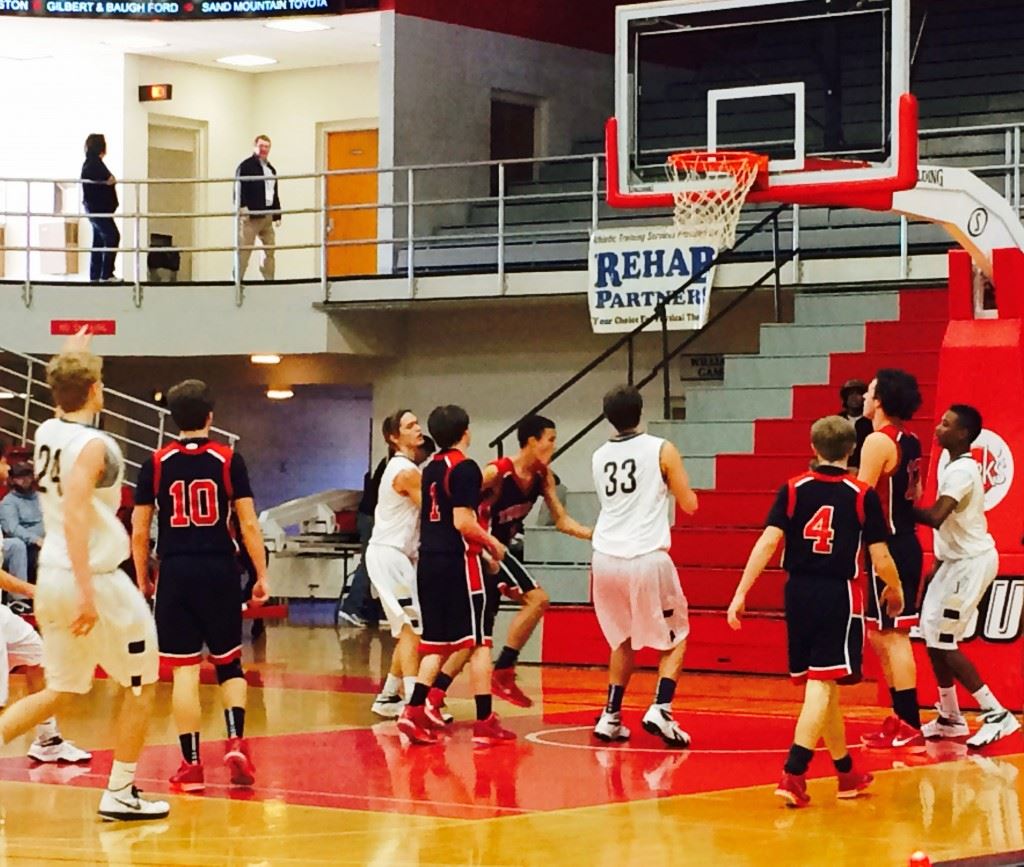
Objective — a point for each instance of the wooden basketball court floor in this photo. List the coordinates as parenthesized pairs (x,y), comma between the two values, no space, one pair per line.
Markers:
(336,786)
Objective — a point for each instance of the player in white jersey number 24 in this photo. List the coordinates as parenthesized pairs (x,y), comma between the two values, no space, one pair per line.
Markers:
(89,612)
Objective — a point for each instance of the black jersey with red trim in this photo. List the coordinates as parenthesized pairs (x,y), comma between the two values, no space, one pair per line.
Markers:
(504,512)
(450,481)
(193,484)
(825,514)
(899,488)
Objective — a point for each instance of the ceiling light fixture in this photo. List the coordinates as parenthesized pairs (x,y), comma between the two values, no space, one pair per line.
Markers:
(268,358)
(297,25)
(246,60)
(280,393)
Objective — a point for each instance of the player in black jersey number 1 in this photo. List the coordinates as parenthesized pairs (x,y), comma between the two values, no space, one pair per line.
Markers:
(823,516)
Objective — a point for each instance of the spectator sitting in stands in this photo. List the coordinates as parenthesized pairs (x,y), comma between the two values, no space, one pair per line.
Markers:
(852,397)
(15,552)
(21,516)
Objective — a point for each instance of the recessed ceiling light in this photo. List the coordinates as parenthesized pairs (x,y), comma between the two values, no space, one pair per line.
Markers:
(280,393)
(137,42)
(297,25)
(246,60)
(268,358)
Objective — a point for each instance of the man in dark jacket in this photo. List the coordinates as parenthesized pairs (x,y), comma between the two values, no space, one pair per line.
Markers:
(100,199)
(259,207)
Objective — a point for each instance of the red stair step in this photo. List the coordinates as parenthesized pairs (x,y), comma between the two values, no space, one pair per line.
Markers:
(918,305)
(728,509)
(714,587)
(715,546)
(759,472)
(814,401)
(788,436)
(905,336)
(863,365)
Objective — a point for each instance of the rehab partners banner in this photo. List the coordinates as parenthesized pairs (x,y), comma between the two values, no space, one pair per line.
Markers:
(633,269)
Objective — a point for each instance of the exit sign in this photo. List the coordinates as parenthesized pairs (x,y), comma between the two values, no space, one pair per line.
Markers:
(67,327)
(154,92)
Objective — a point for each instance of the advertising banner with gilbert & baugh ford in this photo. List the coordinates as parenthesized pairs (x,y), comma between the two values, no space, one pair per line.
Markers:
(631,270)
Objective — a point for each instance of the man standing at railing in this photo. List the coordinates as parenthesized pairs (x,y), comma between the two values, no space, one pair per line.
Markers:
(100,199)
(259,207)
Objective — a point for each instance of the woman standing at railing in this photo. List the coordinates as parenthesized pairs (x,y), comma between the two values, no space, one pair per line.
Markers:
(100,198)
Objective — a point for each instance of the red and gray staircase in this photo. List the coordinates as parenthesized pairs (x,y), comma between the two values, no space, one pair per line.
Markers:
(741,440)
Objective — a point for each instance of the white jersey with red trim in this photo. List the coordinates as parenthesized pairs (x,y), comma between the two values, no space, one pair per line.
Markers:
(634,497)
(58,445)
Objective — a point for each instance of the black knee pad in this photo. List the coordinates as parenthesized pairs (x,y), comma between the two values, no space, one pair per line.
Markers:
(229,671)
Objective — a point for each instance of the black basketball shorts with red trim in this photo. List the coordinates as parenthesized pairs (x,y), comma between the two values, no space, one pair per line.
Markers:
(825,629)
(456,602)
(199,602)
(906,553)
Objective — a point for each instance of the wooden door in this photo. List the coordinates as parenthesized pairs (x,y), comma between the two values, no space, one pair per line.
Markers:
(512,137)
(352,150)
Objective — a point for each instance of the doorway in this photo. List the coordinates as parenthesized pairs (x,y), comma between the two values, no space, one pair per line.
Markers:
(174,153)
(352,150)
(513,136)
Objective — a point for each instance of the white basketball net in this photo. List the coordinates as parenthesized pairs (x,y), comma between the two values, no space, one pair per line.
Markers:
(710,192)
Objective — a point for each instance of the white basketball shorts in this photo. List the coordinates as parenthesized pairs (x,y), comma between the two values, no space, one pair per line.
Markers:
(393,576)
(20,644)
(639,600)
(953,596)
(122,642)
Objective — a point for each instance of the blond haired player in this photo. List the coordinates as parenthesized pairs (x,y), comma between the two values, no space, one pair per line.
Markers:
(90,612)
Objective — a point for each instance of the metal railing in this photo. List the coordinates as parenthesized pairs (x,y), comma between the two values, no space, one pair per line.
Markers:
(430,218)
(138,426)
(660,315)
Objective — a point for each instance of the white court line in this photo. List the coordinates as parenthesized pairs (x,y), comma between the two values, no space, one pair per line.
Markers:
(538,738)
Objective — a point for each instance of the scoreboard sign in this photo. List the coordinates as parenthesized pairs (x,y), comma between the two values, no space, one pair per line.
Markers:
(174,10)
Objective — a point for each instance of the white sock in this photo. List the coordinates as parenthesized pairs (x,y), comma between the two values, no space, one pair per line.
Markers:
(391,685)
(409,683)
(122,774)
(949,705)
(47,730)
(987,701)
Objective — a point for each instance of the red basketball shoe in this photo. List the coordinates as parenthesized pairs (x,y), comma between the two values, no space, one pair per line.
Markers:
(437,713)
(413,723)
(189,777)
(792,788)
(895,735)
(488,731)
(503,685)
(239,762)
(852,784)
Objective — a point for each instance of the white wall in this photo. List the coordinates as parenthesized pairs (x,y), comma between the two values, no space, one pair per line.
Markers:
(445,76)
(49,107)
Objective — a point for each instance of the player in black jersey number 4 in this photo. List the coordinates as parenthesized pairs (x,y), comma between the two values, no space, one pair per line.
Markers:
(194,484)
(823,516)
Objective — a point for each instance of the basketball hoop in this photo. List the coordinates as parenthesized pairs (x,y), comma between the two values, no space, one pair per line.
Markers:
(710,192)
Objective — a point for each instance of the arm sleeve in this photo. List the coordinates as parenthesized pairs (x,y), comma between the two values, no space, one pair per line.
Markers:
(242,488)
(874,521)
(464,484)
(95,171)
(144,493)
(955,483)
(777,516)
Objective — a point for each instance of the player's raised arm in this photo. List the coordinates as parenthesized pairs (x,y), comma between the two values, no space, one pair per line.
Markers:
(760,556)
(408,484)
(563,521)
(674,473)
(935,514)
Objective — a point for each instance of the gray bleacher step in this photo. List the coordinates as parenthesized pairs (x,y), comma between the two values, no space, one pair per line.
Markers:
(532,650)
(737,404)
(793,339)
(696,438)
(829,308)
(564,584)
(757,371)
(583,506)
(548,545)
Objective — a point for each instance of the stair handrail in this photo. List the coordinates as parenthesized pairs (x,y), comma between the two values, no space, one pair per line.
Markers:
(660,314)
